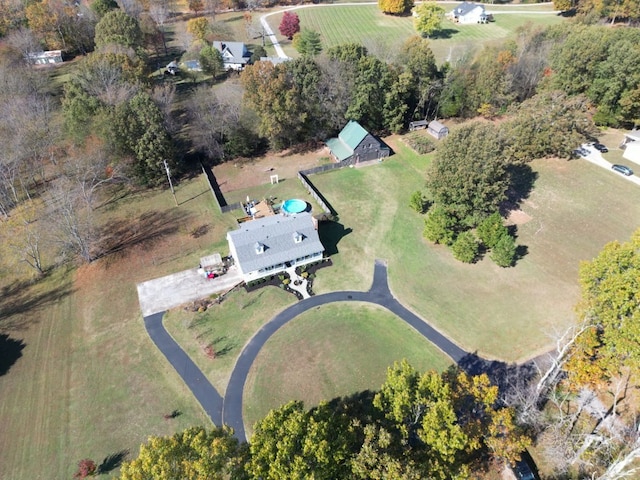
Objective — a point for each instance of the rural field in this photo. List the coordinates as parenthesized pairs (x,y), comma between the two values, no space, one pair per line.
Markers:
(384,34)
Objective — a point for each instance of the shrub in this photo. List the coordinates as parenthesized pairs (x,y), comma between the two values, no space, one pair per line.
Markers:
(465,248)
(86,468)
(286,281)
(504,252)
(418,202)
(491,230)
(440,226)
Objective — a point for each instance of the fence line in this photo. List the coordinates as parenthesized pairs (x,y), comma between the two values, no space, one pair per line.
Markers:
(217,193)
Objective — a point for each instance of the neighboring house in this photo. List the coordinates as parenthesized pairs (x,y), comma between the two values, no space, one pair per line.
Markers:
(468,13)
(49,56)
(234,54)
(437,129)
(272,244)
(354,144)
(631,146)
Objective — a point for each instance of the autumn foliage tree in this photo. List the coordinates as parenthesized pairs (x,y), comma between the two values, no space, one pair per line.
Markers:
(395,7)
(289,25)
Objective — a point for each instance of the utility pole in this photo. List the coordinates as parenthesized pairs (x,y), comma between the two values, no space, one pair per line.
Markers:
(166,167)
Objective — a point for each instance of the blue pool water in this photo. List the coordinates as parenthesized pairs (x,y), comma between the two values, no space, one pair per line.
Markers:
(294,205)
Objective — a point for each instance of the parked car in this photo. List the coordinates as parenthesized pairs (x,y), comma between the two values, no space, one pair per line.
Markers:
(622,169)
(524,469)
(600,147)
(581,151)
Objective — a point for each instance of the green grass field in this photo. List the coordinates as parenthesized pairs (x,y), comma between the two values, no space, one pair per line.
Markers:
(574,209)
(384,34)
(331,351)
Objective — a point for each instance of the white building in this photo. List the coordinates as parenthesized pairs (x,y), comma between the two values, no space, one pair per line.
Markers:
(468,13)
(234,54)
(270,245)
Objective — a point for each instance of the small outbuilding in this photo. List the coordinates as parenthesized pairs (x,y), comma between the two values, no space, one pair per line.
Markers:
(354,144)
(437,130)
(417,125)
(46,57)
(631,146)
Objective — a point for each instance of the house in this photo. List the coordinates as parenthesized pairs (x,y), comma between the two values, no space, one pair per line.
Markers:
(631,146)
(468,13)
(234,55)
(354,144)
(270,245)
(42,58)
(437,129)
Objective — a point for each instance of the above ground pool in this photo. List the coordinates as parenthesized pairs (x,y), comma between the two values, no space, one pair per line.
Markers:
(294,205)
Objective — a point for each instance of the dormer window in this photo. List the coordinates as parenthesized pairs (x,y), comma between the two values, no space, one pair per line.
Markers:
(259,248)
(297,237)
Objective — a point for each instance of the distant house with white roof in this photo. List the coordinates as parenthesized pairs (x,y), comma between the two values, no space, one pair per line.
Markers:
(631,146)
(270,245)
(234,54)
(468,12)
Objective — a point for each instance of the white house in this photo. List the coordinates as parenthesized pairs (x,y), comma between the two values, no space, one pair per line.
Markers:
(234,54)
(468,13)
(272,244)
(631,146)
(49,56)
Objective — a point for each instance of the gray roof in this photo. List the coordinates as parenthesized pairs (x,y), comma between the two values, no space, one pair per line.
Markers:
(465,7)
(436,126)
(276,233)
(233,52)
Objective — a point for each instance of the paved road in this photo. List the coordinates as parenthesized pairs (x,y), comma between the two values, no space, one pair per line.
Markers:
(595,157)
(378,294)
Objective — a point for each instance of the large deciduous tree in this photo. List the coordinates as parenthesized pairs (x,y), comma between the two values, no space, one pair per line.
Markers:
(195,453)
(428,18)
(289,25)
(395,7)
(469,176)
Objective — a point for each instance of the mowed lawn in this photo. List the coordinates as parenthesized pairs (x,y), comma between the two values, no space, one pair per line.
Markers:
(333,350)
(384,34)
(574,209)
(89,382)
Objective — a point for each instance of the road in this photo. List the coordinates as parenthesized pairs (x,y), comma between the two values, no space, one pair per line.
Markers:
(595,157)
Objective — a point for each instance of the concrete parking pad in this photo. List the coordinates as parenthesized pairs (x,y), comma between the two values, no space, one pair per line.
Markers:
(162,294)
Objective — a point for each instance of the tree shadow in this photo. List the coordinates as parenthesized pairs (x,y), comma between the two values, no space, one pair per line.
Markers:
(113,461)
(10,352)
(330,234)
(119,235)
(19,298)
(523,178)
(499,373)
(357,405)
(444,33)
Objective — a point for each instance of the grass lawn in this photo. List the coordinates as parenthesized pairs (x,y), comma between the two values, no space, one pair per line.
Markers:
(365,24)
(227,327)
(90,383)
(574,209)
(331,351)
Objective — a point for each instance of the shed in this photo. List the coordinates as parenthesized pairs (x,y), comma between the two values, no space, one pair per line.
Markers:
(437,129)
(354,144)
(417,125)
(42,58)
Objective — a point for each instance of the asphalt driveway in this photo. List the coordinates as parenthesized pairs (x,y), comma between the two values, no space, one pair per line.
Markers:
(164,293)
(595,157)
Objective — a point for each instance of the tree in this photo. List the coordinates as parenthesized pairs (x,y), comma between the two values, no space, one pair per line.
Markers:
(289,25)
(139,130)
(491,230)
(199,28)
(102,7)
(440,226)
(116,27)
(372,82)
(469,176)
(417,59)
(418,202)
(292,443)
(307,43)
(193,454)
(24,234)
(465,248)
(395,7)
(610,286)
(428,18)
(196,6)
(211,61)
(504,251)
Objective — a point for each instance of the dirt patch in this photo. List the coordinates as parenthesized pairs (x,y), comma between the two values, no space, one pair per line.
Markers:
(244,173)
(518,217)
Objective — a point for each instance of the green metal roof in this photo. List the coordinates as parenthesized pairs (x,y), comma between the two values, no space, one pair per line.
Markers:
(352,134)
(339,149)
